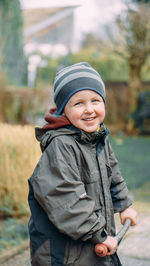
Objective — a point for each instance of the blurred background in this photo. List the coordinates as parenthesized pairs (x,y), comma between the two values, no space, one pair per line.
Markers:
(38,38)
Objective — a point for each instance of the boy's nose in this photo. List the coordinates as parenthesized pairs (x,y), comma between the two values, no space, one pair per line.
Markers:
(88,108)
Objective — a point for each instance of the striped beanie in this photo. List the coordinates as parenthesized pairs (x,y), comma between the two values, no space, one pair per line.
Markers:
(69,80)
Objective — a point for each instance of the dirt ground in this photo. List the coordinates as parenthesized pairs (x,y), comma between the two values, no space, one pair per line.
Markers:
(133,250)
(135,247)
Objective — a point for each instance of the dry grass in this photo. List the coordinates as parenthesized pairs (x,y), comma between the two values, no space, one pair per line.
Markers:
(19,154)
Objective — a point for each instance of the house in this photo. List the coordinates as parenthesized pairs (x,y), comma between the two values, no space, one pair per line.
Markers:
(50,29)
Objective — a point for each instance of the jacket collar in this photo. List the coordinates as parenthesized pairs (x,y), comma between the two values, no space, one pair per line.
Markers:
(96,136)
(92,138)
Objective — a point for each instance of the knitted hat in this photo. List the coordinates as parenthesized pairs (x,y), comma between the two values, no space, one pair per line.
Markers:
(75,78)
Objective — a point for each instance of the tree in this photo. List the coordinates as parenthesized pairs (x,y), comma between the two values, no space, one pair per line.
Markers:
(131,40)
(141,1)
(11,41)
(135,31)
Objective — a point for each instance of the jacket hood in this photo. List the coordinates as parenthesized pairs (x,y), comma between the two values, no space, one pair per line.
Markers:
(45,136)
(54,120)
(55,126)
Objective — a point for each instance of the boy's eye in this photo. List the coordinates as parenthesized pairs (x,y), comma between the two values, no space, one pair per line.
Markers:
(95,100)
(77,103)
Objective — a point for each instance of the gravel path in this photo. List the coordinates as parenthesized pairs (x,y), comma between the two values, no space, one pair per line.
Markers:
(128,261)
(22,259)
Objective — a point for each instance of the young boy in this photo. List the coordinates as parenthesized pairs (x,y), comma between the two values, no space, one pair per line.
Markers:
(76,187)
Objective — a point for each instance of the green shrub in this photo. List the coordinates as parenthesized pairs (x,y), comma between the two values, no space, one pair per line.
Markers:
(110,66)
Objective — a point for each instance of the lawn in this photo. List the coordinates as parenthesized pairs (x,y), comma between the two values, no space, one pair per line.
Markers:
(133,154)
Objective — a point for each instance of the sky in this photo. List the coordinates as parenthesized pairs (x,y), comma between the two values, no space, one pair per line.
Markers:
(90,16)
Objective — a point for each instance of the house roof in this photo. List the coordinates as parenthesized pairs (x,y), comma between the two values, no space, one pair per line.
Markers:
(36,20)
(36,15)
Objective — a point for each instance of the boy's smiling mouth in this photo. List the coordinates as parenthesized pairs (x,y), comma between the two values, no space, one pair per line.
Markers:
(89,118)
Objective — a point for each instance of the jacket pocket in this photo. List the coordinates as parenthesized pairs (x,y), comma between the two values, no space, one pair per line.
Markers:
(94,190)
(109,170)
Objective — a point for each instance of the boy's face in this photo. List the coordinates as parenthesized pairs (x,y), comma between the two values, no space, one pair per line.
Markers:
(85,110)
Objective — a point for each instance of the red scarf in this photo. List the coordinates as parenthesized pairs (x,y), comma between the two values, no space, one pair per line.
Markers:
(54,121)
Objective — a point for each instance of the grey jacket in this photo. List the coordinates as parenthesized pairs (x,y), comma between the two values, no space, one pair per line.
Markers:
(74,192)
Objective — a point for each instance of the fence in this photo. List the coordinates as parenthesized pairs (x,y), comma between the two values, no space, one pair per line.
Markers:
(24,105)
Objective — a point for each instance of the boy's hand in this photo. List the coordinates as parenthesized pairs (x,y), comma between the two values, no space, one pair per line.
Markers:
(111,244)
(129,213)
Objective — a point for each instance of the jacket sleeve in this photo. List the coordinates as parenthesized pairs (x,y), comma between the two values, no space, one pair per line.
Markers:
(59,190)
(118,188)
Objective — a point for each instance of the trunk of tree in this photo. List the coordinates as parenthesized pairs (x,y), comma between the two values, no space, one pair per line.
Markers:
(135,86)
